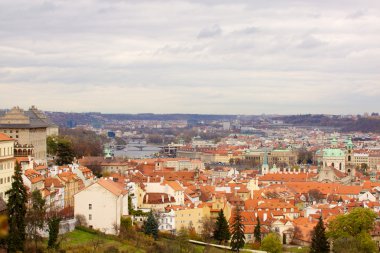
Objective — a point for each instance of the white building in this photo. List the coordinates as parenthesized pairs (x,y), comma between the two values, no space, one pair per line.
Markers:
(166,221)
(102,204)
(7,163)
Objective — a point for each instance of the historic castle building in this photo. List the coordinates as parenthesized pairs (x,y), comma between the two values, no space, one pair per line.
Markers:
(29,129)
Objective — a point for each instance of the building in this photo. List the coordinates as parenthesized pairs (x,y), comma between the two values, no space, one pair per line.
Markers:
(7,163)
(29,129)
(103,204)
(334,157)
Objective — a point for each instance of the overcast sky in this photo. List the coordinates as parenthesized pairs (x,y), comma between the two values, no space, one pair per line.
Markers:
(200,56)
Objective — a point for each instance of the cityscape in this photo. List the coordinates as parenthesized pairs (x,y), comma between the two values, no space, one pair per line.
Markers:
(189,126)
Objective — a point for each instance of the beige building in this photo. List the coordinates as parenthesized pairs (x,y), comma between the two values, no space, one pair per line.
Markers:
(103,204)
(279,157)
(29,129)
(7,162)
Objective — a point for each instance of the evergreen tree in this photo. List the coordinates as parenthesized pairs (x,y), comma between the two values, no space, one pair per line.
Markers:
(238,239)
(222,230)
(65,153)
(257,231)
(319,243)
(53,224)
(151,226)
(17,198)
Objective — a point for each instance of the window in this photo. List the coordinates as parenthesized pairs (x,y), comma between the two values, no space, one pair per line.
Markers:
(16,136)
(89,206)
(90,217)
(1,181)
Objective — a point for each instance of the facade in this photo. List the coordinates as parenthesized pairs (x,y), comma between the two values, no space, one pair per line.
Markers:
(102,204)
(333,157)
(7,163)
(29,129)
(72,185)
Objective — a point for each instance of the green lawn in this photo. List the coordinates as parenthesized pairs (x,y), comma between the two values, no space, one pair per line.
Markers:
(297,249)
(82,241)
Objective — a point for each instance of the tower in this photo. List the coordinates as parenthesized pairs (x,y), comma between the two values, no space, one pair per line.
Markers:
(349,147)
(265,165)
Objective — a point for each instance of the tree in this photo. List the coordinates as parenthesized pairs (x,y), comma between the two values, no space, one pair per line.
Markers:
(237,239)
(257,231)
(319,243)
(53,226)
(351,231)
(271,243)
(65,153)
(17,198)
(362,243)
(315,195)
(208,226)
(222,231)
(151,226)
(35,216)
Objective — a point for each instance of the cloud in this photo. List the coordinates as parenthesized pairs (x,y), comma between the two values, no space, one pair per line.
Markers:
(201,56)
(208,32)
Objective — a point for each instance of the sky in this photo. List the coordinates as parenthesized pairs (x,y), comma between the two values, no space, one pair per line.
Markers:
(199,56)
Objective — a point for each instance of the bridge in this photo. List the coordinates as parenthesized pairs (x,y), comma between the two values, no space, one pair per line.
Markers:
(142,147)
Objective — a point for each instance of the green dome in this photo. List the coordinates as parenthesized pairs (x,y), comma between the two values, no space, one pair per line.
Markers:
(333,152)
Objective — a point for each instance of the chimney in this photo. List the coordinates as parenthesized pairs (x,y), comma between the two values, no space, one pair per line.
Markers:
(163,198)
(265,216)
(146,198)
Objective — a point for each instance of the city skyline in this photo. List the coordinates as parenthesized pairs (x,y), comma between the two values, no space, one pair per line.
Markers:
(209,57)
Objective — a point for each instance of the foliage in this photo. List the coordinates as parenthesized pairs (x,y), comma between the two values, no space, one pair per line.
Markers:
(319,243)
(361,243)
(272,243)
(125,226)
(358,220)
(151,226)
(35,216)
(80,220)
(84,142)
(315,195)
(221,231)
(237,239)
(53,227)
(17,198)
(257,231)
(305,156)
(208,226)
(351,231)
(65,153)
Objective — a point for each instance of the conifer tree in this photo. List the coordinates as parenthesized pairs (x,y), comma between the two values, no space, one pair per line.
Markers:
(17,198)
(319,243)
(257,231)
(238,239)
(53,225)
(222,230)
(151,226)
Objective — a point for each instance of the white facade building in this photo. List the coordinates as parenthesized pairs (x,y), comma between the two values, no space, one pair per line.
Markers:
(102,204)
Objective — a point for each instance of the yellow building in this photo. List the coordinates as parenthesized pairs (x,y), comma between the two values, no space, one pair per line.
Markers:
(191,217)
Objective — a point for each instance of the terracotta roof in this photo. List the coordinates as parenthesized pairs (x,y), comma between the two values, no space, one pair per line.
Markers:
(4,137)
(175,185)
(50,181)
(157,198)
(115,188)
